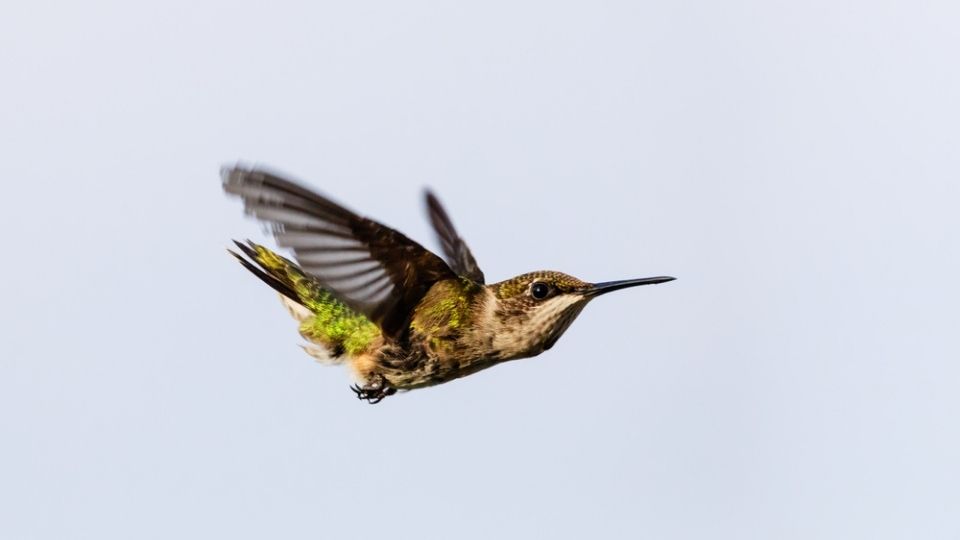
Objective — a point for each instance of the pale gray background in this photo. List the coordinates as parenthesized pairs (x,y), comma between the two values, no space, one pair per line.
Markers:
(794,164)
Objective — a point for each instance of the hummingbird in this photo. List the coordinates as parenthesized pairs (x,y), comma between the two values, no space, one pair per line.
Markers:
(398,315)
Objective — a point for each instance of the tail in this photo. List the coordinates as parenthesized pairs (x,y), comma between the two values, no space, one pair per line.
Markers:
(279,273)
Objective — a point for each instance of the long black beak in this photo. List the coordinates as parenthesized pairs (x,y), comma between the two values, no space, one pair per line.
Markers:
(609,286)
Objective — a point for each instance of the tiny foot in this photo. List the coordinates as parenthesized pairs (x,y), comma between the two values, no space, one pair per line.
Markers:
(373,393)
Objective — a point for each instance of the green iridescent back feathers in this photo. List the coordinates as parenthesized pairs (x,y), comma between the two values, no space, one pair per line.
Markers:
(333,324)
(446,310)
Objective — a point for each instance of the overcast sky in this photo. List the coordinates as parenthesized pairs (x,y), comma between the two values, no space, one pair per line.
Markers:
(794,164)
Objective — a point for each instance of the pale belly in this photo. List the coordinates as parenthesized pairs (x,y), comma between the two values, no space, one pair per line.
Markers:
(417,371)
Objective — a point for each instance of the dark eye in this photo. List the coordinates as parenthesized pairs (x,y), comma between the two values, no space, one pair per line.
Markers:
(539,290)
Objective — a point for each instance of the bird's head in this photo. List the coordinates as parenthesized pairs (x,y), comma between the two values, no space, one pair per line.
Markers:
(533,310)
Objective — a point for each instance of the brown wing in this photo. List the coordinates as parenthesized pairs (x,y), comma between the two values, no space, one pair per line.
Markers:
(454,248)
(372,268)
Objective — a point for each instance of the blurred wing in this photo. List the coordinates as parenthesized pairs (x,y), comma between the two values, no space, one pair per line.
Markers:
(454,248)
(372,268)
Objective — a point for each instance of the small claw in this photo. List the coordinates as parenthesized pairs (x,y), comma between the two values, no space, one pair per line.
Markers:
(372,394)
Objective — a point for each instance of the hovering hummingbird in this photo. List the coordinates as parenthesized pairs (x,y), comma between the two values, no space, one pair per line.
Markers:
(397,314)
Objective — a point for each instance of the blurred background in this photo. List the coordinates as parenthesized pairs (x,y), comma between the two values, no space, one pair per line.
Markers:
(796,166)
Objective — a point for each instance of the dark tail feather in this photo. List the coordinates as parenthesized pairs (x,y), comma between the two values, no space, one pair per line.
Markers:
(258,271)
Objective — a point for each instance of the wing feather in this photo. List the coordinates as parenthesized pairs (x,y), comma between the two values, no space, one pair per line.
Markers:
(373,269)
(454,248)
